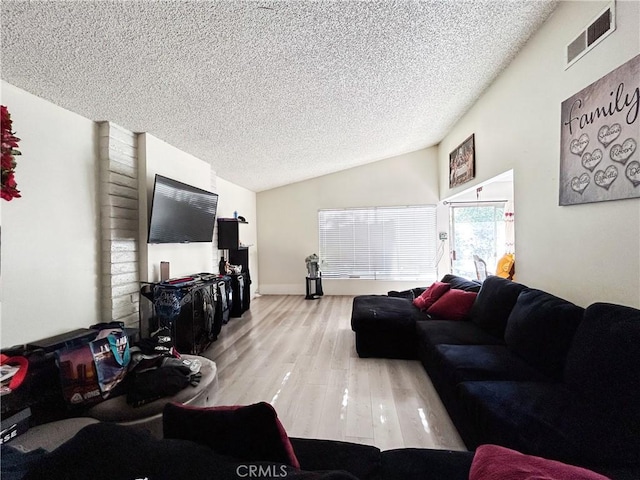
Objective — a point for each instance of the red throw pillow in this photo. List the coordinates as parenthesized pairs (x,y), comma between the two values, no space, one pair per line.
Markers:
(453,305)
(431,294)
(249,433)
(492,462)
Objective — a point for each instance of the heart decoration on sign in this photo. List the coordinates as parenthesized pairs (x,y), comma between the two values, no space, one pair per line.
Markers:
(578,145)
(591,160)
(633,172)
(608,134)
(579,184)
(621,153)
(606,178)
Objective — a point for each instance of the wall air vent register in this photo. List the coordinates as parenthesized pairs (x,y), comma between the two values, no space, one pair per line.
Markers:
(595,32)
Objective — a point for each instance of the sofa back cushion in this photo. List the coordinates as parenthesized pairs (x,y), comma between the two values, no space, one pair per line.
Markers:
(603,362)
(460,283)
(496,299)
(362,461)
(540,329)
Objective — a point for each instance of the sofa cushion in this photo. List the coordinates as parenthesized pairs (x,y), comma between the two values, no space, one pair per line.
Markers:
(362,461)
(382,313)
(540,329)
(461,283)
(430,295)
(548,420)
(425,464)
(493,462)
(112,452)
(452,305)
(495,301)
(460,363)
(603,362)
(251,433)
(453,332)
(387,344)
(97,452)
(16,463)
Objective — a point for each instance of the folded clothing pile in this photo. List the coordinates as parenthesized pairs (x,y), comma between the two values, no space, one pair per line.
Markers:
(156,370)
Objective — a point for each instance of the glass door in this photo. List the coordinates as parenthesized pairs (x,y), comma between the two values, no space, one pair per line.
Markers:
(476,229)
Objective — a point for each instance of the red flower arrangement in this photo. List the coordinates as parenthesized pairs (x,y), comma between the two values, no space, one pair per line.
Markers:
(9,150)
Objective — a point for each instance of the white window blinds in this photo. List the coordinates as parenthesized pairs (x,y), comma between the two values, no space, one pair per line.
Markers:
(380,243)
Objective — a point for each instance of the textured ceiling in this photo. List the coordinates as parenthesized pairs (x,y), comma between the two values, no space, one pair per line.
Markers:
(269,92)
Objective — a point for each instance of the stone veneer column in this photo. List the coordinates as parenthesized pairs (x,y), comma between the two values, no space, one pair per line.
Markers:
(215,253)
(120,299)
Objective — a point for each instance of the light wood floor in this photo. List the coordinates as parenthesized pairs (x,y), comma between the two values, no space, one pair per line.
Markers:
(299,355)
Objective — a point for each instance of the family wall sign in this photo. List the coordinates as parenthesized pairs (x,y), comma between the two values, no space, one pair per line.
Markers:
(599,154)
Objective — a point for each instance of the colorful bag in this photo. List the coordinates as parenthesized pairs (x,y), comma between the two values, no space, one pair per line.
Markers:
(90,372)
(111,357)
(506,266)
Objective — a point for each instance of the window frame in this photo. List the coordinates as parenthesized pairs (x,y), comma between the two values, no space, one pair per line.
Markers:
(385,243)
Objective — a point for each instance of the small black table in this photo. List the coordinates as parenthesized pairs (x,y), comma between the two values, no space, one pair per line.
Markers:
(314,288)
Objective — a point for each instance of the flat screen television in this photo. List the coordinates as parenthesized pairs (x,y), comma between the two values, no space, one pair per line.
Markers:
(181,213)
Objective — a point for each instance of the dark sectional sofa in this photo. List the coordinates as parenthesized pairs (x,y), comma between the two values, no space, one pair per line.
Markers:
(525,369)
(114,452)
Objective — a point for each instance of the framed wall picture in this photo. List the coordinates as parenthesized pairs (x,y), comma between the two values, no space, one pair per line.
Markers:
(599,155)
(462,162)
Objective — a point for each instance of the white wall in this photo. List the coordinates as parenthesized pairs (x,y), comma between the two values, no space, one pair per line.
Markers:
(584,253)
(288,217)
(51,258)
(50,250)
(493,190)
(234,198)
(158,157)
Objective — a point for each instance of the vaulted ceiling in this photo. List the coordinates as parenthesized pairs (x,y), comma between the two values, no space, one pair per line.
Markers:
(269,92)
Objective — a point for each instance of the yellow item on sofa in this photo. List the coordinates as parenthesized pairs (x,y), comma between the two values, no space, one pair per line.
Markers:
(506,266)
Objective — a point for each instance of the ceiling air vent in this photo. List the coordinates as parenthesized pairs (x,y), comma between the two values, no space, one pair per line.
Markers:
(596,31)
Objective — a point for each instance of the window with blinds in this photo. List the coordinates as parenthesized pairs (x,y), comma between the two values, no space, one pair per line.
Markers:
(379,243)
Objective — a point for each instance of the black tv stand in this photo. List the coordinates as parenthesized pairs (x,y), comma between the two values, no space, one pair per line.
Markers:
(187,306)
